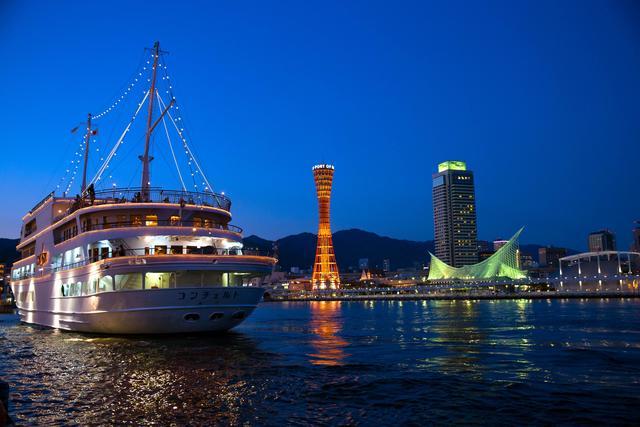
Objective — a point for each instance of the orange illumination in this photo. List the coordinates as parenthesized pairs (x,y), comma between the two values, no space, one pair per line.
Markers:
(325,268)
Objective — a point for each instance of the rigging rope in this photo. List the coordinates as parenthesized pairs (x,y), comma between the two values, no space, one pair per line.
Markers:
(124,94)
(166,130)
(105,165)
(188,151)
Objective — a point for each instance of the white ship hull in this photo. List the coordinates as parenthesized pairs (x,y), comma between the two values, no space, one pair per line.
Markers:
(153,311)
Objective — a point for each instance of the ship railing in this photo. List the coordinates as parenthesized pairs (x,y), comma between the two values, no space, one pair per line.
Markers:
(42,202)
(151,195)
(158,251)
(161,223)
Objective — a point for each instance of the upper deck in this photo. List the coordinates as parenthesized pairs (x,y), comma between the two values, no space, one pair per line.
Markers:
(57,210)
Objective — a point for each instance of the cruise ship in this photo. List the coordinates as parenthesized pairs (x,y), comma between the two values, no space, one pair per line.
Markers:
(144,260)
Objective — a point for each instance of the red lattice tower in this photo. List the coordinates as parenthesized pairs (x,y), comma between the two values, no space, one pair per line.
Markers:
(325,268)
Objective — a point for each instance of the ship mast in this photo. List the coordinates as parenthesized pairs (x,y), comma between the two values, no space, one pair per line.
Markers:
(87,138)
(145,157)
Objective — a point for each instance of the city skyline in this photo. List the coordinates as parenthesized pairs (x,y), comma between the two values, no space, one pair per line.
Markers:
(533,126)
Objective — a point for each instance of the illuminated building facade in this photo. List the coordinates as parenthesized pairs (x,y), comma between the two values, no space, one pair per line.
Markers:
(603,240)
(325,268)
(502,264)
(549,256)
(454,214)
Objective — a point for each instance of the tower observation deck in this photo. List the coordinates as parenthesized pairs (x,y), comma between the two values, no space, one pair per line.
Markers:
(325,268)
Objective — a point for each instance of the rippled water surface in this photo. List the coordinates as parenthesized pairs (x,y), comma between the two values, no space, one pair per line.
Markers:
(377,363)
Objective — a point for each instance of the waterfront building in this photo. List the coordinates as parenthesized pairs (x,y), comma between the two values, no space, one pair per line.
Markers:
(527,262)
(454,214)
(485,246)
(549,256)
(325,268)
(598,271)
(602,240)
(502,264)
(635,245)
(363,263)
(498,243)
(386,265)
(3,283)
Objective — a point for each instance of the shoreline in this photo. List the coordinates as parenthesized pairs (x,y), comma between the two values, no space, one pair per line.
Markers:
(449,297)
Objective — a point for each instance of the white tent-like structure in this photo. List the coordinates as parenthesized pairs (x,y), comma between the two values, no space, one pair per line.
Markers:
(502,264)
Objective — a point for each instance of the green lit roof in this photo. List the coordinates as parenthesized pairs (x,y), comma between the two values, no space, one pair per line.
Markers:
(453,165)
(504,263)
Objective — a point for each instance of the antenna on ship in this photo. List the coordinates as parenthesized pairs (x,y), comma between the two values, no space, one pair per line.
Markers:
(87,138)
(146,159)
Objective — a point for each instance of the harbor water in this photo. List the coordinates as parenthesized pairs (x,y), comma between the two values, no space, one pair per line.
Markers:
(325,363)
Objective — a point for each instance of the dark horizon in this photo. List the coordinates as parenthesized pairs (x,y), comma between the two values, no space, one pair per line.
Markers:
(537,97)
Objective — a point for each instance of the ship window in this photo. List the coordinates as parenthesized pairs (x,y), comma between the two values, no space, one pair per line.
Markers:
(197,222)
(151,220)
(75,289)
(160,250)
(174,220)
(122,219)
(176,249)
(157,280)
(191,317)
(188,279)
(136,219)
(105,284)
(216,316)
(192,249)
(128,281)
(231,279)
(211,278)
(208,223)
(92,286)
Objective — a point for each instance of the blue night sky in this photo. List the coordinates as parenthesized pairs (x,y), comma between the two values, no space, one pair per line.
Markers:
(541,99)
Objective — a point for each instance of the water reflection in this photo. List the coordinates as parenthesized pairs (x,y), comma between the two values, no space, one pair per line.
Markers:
(90,379)
(326,324)
(456,329)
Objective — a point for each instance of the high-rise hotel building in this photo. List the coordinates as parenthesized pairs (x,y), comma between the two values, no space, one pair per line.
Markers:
(454,214)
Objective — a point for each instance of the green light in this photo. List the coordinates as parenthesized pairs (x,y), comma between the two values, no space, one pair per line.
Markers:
(504,263)
(452,165)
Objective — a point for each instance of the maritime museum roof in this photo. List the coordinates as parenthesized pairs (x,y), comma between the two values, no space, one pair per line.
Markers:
(503,263)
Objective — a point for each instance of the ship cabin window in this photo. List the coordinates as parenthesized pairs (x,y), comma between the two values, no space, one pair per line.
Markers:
(160,250)
(91,287)
(28,250)
(208,223)
(197,222)
(75,289)
(126,282)
(105,223)
(30,227)
(174,220)
(192,249)
(105,284)
(136,220)
(158,280)
(151,220)
(121,220)
(176,250)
